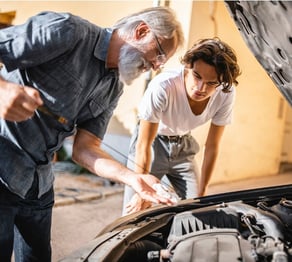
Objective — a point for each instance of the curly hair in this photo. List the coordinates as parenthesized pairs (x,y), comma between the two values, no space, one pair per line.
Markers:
(216,53)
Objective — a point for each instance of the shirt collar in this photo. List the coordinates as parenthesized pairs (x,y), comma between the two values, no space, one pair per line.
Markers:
(102,44)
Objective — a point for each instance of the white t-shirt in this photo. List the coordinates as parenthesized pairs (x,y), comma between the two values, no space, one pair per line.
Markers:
(165,102)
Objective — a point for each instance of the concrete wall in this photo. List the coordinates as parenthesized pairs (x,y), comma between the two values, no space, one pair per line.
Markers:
(252,145)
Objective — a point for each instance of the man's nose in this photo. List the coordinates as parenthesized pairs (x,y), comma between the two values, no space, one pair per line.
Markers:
(200,85)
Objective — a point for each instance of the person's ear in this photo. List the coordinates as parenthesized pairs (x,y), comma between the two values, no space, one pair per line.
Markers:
(141,30)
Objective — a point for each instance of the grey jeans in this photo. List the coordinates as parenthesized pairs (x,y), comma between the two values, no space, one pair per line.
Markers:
(173,162)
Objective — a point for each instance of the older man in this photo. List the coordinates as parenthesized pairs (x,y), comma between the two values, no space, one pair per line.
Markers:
(61,76)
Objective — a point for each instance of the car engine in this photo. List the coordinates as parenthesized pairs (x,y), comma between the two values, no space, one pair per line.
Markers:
(235,231)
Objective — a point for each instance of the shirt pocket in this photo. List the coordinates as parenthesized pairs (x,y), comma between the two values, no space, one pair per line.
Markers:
(105,95)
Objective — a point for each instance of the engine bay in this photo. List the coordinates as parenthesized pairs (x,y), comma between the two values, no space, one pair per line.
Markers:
(234,231)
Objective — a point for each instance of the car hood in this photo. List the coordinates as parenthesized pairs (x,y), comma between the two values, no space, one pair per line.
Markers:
(266,29)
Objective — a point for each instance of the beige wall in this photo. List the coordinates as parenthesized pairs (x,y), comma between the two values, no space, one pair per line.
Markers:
(252,145)
(103,13)
(286,155)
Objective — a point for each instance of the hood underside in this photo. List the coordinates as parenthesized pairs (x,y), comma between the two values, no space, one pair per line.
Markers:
(266,28)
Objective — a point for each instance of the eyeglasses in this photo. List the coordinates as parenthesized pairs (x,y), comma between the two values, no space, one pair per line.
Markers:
(161,58)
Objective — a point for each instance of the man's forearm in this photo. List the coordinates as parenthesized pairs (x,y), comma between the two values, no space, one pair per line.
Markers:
(208,166)
(102,164)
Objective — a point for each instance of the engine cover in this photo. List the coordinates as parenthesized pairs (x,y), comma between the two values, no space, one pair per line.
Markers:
(216,245)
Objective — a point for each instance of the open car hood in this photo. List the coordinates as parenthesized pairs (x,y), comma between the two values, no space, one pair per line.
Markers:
(266,27)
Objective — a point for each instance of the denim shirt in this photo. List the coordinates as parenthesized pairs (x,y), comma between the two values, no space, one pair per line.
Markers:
(63,57)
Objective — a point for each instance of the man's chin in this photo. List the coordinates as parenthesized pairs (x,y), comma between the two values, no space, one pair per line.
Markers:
(128,80)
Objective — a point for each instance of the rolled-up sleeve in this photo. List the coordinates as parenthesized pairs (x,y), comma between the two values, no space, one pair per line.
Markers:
(97,113)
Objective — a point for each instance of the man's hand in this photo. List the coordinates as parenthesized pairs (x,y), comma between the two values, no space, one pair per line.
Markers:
(18,103)
(201,192)
(143,185)
(137,203)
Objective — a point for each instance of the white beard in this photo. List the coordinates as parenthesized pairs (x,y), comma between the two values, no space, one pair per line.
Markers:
(131,64)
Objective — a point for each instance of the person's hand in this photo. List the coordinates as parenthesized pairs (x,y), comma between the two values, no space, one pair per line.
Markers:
(18,103)
(143,185)
(202,191)
(137,204)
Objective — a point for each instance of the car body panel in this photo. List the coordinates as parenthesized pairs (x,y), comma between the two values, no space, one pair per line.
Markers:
(266,29)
